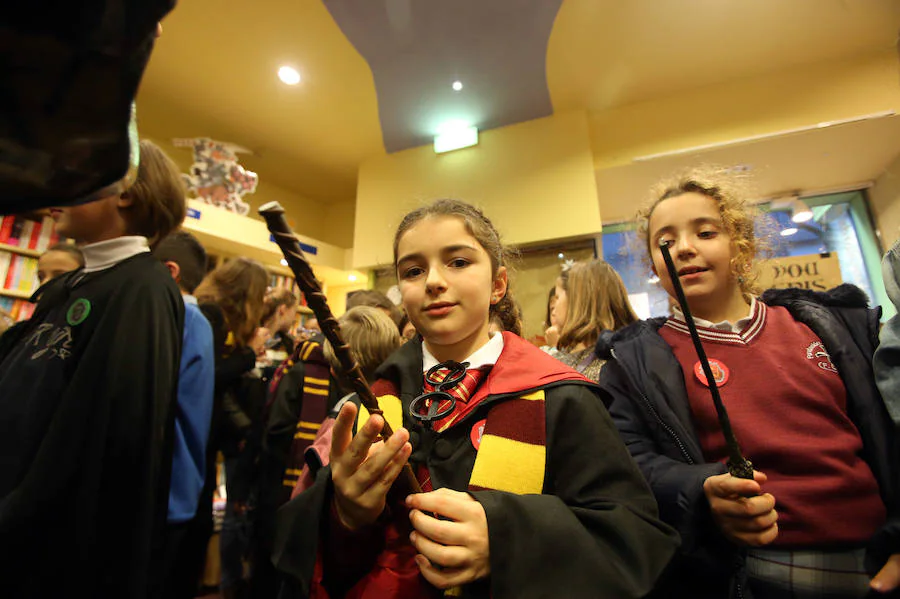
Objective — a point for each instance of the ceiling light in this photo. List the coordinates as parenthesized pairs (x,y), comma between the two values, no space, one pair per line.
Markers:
(560,255)
(351,278)
(653,280)
(457,86)
(789,231)
(455,135)
(283,262)
(289,75)
(800,212)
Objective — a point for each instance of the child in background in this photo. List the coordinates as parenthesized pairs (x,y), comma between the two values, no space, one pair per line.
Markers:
(88,403)
(279,317)
(59,259)
(189,527)
(794,371)
(536,495)
(232,297)
(375,299)
(590,298)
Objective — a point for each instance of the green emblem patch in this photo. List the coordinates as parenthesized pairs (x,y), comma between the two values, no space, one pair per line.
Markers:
(78,312)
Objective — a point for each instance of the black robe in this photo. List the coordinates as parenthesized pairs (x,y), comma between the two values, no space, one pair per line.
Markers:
(593,533)
(87,396)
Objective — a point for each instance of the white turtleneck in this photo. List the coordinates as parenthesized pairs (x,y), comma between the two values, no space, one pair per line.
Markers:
(105,254)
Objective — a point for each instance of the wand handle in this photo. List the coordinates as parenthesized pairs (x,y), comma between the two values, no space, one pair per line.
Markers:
(273,214)
(738,465)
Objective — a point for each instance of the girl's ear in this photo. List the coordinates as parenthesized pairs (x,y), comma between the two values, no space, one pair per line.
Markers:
(500,284)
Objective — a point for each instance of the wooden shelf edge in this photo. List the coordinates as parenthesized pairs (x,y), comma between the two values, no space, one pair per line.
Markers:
(15,293)
(17,250)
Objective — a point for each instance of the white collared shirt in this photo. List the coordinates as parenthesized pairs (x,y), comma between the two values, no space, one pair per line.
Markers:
(486,355)
(725,325)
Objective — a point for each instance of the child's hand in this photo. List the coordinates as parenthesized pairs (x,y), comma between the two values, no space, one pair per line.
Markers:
(451,552)
(258,342)
(363,472)
(744,514)
(888,578)
(551,335)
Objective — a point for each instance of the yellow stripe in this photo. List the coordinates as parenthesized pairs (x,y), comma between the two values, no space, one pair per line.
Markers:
(289,482)
(310,379)
(309,436)
(536,396)
(315,391)
(309,349)
(508,465)
(293,471)
(311,425)
(393,411)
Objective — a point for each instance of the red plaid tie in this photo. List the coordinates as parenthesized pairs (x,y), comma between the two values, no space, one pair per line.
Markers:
(463,391)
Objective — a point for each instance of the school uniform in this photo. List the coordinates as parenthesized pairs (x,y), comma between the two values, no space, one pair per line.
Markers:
(796,379)
(86,425)
(568,513)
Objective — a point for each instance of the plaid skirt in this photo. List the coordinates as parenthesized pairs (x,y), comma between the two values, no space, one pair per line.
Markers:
(778,574)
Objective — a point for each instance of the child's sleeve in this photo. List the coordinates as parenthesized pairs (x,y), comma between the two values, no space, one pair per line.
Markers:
(595,531)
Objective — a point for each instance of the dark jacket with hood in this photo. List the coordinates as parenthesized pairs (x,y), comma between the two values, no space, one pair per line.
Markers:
(644,384)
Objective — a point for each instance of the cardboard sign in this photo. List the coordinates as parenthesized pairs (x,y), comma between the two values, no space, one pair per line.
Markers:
(817,272)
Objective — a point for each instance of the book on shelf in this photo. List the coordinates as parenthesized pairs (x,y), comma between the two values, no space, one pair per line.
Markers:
(18,309)
(28,234)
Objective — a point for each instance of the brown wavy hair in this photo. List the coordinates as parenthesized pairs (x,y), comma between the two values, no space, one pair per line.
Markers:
(238,287)
(482,229)
(597,301)
(730,192)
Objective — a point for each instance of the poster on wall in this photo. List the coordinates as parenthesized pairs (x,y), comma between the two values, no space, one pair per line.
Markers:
(216,177)
(816,272)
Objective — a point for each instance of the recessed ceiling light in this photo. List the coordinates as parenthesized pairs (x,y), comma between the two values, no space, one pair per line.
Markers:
(560,255)
(457,86)
(789,231)
(283,262)
(289,75)
(351,278)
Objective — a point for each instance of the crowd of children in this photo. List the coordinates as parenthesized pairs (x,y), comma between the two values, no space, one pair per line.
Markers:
(594,468)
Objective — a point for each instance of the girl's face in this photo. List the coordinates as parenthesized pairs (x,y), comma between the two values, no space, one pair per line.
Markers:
(701,249)
(560,308)
(447,286)
(53,264)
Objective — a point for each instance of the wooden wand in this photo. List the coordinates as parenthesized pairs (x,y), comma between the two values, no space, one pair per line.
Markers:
(273,214)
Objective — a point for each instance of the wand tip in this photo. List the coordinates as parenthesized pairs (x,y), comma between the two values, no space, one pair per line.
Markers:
(270,207)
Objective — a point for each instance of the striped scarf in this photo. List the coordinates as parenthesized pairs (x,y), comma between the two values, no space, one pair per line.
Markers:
(313,408)
(512,453)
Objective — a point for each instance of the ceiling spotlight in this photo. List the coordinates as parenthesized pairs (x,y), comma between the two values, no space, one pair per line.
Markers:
(560,255)
(283,262)
(789,231)
(800,212)
(457,86)
(289,75)
(351,278)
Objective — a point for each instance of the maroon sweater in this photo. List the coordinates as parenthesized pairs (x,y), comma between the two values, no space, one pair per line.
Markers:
(788,406)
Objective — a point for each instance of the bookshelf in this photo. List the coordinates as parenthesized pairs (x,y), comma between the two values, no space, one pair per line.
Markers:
(22,241)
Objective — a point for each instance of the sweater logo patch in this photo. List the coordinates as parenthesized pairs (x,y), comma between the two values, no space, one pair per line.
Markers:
(816,351)
(720,372)
(78,312)
(477,433)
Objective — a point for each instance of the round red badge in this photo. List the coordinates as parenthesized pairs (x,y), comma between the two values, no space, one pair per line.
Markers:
(477,432)
(721,374)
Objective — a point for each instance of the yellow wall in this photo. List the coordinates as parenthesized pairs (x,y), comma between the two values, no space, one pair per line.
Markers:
(535,180)
(798,97)
(885,203)
(307,217)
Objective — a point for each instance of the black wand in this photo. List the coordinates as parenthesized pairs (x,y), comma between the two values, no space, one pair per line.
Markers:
(738,465)
(273,213)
